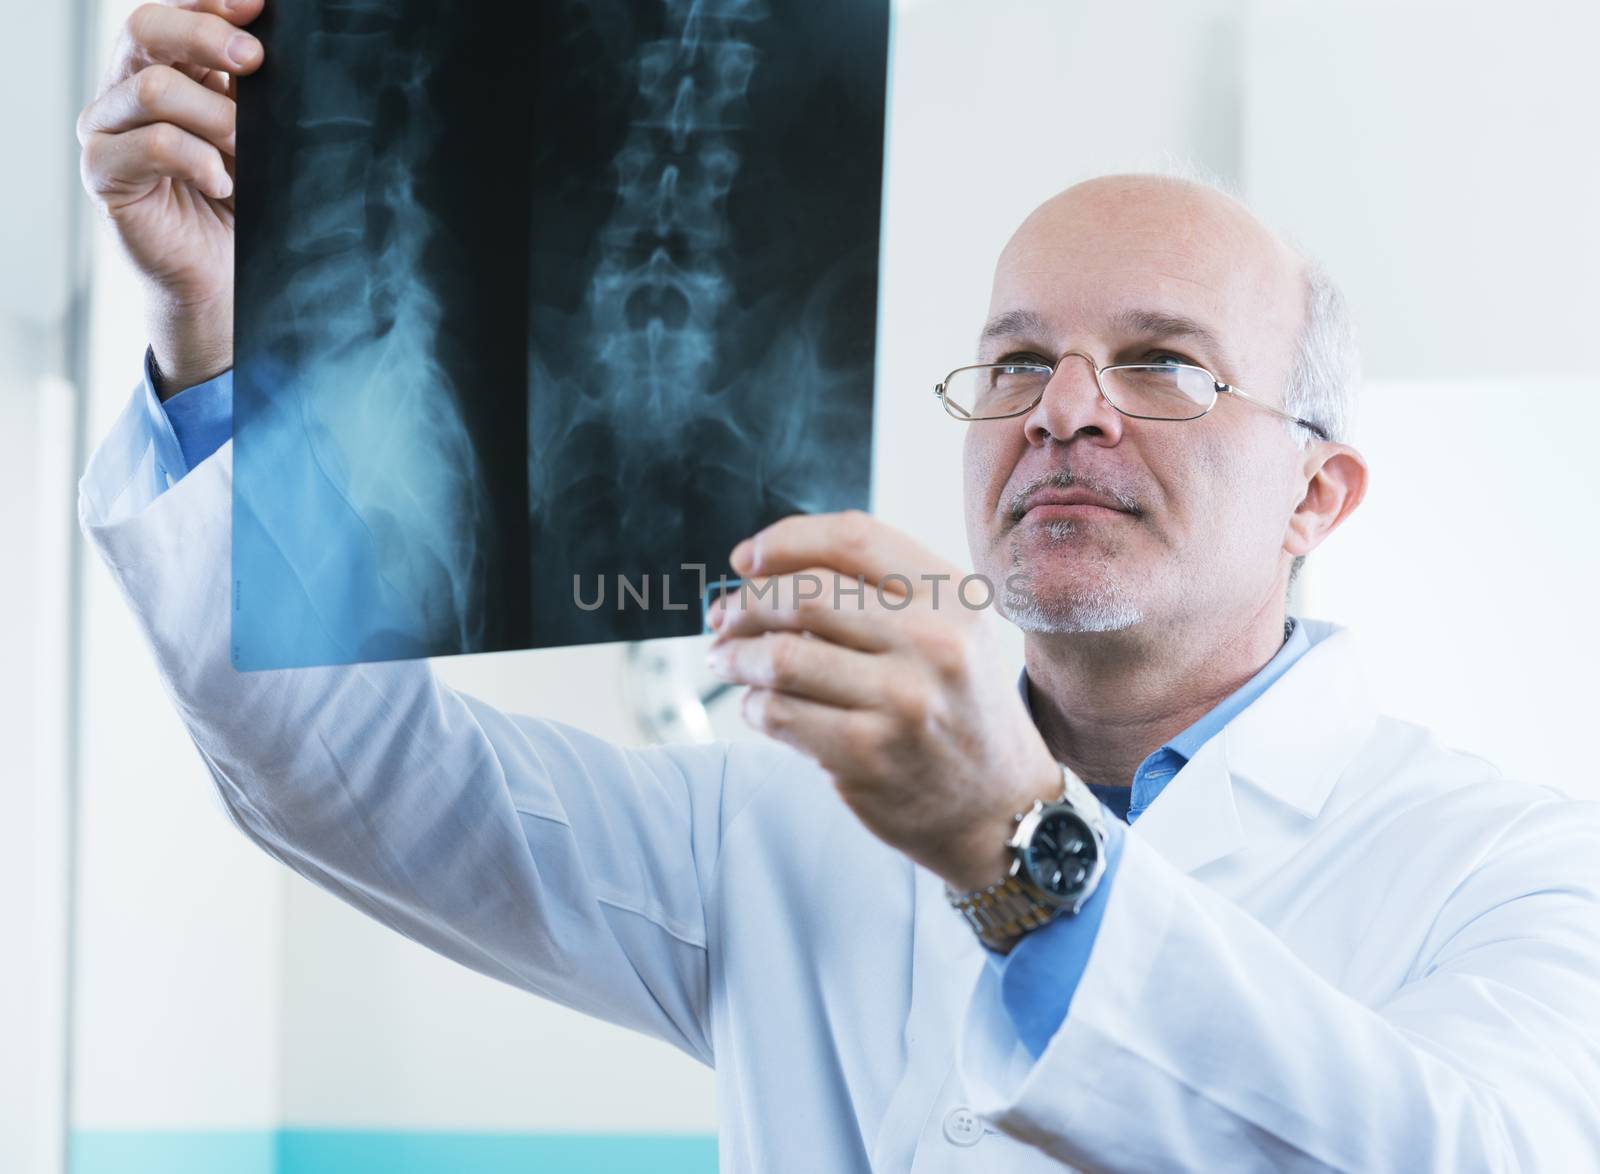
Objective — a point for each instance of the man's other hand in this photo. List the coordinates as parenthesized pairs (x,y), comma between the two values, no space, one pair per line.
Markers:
(158,155)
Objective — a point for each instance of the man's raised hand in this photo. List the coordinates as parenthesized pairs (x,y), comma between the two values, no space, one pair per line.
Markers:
(158,151)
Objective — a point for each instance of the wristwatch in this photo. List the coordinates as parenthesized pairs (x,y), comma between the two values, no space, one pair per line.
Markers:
(1058,855)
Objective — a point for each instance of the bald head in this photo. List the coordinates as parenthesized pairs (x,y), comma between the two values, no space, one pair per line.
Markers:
(1160,238)
(1169,206)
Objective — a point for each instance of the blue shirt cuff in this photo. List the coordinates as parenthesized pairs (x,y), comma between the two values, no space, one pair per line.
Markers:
(1041,973)
(191,425)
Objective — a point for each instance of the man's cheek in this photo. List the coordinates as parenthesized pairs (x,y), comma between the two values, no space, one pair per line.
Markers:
(986,473)
(980,493)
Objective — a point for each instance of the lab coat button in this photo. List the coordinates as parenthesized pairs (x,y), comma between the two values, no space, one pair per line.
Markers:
(962,1127)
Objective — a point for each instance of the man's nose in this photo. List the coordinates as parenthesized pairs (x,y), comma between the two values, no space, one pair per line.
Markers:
(1072,405)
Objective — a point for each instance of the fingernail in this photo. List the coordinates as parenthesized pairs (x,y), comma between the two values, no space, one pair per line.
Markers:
(742,556)
(716,614)
(717,661)
(243,48)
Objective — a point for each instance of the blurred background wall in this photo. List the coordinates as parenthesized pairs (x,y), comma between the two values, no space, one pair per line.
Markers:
(178,1002)
(41,325)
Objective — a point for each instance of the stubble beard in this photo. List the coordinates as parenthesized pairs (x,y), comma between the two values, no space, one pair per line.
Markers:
(1103,604)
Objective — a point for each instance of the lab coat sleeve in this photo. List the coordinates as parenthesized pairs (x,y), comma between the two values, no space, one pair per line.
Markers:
(528,850)
(1196,1037)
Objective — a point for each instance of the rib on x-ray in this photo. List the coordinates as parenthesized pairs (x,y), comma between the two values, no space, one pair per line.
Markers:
(541,308)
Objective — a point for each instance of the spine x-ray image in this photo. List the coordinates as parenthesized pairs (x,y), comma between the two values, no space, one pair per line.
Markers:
(541,308)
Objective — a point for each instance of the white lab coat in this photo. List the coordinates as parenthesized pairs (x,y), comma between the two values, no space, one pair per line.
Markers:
(1333,944)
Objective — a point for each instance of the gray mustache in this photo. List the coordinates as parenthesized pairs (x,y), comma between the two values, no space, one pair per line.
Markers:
(1066,480)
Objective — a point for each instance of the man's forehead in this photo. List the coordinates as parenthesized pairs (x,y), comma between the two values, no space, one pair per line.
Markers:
(1072,308)
(1137,321)
(1120,256)
(1081,269)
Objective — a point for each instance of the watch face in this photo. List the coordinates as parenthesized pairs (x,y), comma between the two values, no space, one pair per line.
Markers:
(1062,854)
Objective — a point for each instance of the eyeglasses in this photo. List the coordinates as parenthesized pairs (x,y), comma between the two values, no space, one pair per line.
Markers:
(1144,391)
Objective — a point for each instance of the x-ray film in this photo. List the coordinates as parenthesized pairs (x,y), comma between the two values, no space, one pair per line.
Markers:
(541,308)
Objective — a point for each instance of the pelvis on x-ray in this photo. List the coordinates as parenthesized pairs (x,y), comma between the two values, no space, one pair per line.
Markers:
(541,308)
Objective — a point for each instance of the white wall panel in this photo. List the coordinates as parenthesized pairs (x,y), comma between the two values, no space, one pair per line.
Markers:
(1469,572)
(1440,157)
(381,1034)
(35,530)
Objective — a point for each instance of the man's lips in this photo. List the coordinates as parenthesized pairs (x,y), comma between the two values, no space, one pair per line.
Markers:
(1050,504)
(1056,512)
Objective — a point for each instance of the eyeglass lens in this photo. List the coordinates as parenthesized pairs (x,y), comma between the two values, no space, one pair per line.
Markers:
(1166,391)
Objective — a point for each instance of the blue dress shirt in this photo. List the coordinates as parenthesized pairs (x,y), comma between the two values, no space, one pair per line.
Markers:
(191,425)
(1040,974)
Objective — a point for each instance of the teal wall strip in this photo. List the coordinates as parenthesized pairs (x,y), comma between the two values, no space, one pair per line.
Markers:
(179,1152)
(303,1151)
(341,1151)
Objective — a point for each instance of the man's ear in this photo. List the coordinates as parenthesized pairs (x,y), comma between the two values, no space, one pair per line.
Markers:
(1335,482)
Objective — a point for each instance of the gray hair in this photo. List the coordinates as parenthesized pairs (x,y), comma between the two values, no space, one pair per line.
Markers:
(1327,362)
(1326,369)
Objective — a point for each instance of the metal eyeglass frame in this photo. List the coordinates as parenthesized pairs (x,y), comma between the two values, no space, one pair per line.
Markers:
(1218,389)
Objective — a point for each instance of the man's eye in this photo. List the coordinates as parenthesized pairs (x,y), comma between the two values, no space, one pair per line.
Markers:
(1157,358)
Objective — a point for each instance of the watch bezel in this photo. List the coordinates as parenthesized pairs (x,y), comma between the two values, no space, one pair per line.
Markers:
(1027,825)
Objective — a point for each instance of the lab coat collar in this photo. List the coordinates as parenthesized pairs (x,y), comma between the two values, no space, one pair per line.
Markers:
(1288,747)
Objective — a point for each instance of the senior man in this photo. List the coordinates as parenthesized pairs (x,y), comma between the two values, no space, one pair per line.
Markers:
(1184,901)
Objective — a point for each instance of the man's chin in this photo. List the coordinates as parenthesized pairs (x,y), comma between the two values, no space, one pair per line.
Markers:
(1082,607)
